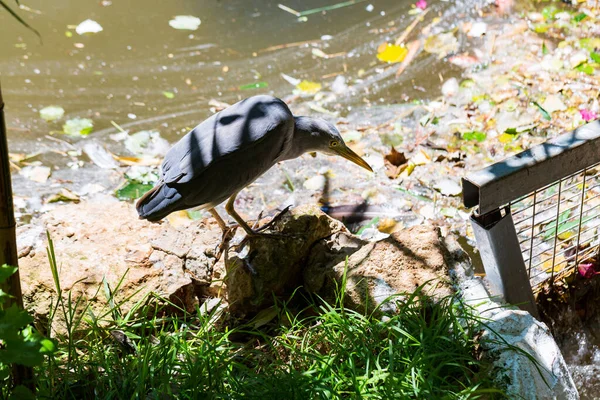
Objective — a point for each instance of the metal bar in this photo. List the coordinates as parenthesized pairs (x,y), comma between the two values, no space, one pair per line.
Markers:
(500,253)
(21,375)
(532,235)
(502,182)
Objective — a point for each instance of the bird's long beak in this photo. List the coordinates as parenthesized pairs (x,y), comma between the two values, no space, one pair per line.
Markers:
(348,154)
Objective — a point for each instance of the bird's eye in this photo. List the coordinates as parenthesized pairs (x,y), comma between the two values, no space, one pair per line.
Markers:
(333,143)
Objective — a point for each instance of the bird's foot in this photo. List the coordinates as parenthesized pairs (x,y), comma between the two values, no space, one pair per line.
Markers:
(271,222)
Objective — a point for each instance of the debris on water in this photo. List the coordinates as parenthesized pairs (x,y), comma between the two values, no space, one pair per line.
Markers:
(88,26)
(78,127)
(391,53)
(185,22)
(309,87)
(52,113)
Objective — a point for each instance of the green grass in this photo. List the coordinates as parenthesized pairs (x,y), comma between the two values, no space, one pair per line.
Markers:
(302,349)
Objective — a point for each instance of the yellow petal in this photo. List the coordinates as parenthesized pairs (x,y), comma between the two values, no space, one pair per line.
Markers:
(391,53)
(309,87)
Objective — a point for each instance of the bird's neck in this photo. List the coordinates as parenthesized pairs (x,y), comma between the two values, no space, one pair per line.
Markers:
(300,142)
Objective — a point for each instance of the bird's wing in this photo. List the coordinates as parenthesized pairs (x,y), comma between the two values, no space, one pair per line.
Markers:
(236,144)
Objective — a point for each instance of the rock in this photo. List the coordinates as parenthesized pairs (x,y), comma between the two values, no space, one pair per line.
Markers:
(317,261)
(514,369)
(104,239)
(398,264)
(268,266)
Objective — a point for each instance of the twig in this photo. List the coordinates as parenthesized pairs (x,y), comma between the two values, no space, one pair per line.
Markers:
(288,45)
(413,49)
(288,9)
(409,28)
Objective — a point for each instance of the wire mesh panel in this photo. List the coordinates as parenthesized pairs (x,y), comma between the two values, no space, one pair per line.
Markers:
(558,225)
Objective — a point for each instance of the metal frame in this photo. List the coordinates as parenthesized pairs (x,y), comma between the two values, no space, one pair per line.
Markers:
(496,190)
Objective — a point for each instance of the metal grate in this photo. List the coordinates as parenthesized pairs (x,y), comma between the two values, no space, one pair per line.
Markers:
(542,204)
(558,226)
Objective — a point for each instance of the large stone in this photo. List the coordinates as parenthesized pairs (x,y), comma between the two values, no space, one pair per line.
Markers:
(373,272)
(268,266)
(105,239)
(314,254)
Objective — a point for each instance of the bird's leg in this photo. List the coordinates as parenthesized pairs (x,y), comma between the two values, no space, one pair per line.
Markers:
(228,231)
(231,211)
(249,231)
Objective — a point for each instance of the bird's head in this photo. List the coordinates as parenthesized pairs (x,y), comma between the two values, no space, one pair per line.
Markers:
(316,134)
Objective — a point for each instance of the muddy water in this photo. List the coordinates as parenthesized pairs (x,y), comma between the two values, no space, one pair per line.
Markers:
(120,74)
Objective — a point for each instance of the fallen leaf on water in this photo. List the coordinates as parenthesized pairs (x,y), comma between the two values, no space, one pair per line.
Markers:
(78,127)
(391,53)
(421,4)
(309,87)
(256,85)
(395,162)
(63,195)
(36,173)
(185,22)
(52,113)
(88,26)
(169,95)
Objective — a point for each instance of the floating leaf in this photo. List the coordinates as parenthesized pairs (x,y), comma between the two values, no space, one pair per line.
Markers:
(595,56)
(52,113)
(169,95)
(88,26)
(544,48)
(391,53)
(474,135)
(309,87)
(78,127)
(256,85)
(185,22)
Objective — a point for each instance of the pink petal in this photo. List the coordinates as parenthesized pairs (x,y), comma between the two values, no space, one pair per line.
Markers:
(588,115)
(587,270)
(422,4)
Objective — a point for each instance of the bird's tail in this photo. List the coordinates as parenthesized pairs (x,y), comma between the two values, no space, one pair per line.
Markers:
(158,202)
